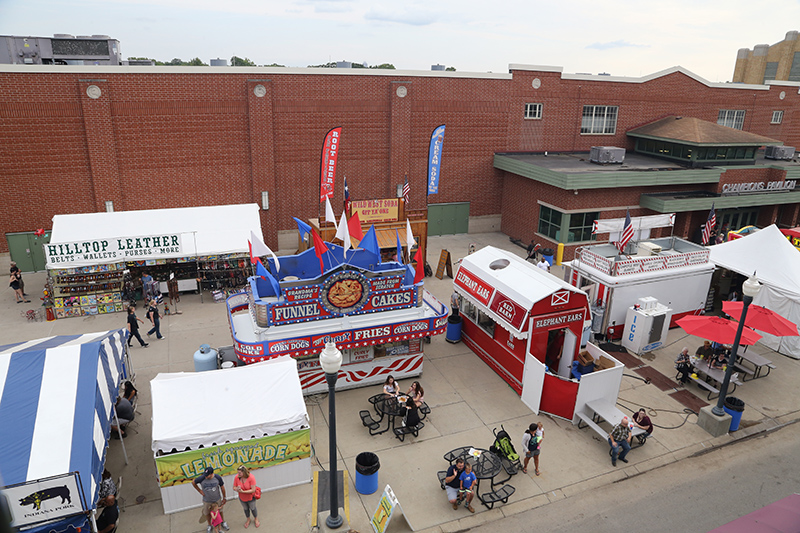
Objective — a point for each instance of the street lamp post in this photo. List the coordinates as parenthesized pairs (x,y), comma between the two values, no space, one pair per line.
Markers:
(750,289)
(331,360)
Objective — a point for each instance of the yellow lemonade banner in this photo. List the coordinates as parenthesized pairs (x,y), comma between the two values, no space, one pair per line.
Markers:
(184,467)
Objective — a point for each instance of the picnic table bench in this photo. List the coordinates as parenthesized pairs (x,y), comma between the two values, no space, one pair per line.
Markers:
(759,362)
(715,374)
(604,410)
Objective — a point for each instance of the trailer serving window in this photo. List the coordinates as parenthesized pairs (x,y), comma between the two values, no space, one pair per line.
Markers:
(486,323)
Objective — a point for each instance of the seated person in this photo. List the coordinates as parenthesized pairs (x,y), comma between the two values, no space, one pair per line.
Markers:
(641,420)
(411,417)
(129,392)
(390,387)
(719,361)
(684,365)
(416,393)
(705,351)
(107,486)
(125,415)
(452,483)
(468,484)
(107,520)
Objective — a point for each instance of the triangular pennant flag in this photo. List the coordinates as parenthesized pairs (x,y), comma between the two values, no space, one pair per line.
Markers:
(259,249)
(420,270)
(302,227)
(370,242)
(329,216)
(355,227)
(319,248)
(343,232)
(265,275)
(410,241)
(399,257)
(252,258)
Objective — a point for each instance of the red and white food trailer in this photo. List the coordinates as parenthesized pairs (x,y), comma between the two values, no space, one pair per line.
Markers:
(527,325)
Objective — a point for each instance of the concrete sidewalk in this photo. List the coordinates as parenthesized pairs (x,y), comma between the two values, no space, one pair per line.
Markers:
(467,400)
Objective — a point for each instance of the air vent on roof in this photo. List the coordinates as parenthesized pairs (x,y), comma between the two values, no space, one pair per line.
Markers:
(779,152)
(606,154)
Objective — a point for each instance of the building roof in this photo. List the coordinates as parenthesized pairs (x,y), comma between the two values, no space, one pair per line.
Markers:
(692,130)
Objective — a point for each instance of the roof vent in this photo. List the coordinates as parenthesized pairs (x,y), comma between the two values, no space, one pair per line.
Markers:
(499,264)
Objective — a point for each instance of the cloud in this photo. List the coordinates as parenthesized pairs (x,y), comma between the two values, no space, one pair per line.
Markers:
(415,18)
(616,44)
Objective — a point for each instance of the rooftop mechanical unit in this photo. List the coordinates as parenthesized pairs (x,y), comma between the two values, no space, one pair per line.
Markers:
(648,249)
(604,155)
(779,152)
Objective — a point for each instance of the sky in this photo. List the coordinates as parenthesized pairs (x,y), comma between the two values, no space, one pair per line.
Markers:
(619,37)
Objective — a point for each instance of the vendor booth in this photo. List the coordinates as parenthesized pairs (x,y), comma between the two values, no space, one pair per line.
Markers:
(528,326)
(253,415)
(375,313)
(56,407)
(677,273)
(95,260)
(777,266)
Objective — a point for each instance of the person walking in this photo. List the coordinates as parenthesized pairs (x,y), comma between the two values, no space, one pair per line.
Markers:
(245,485)
(155,318)
(133,326)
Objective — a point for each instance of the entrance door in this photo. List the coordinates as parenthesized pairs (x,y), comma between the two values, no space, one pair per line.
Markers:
(565,365)
(26,250)
(448,219)
(532,383)
(555,346)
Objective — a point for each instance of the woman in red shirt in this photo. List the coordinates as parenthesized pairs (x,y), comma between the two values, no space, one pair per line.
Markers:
(245,484)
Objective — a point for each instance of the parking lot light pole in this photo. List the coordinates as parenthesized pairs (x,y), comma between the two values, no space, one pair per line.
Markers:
(331,360)
(750,289)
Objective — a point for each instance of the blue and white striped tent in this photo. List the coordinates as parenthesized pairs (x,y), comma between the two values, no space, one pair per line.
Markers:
(56,400)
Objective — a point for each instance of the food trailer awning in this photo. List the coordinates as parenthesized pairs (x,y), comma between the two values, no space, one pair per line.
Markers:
(97,238)
(505,287)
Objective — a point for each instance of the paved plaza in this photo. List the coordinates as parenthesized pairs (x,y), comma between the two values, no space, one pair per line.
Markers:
(468,400)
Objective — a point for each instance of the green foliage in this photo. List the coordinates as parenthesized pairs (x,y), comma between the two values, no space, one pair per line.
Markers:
(177,62)
(275,65)
(388,66)
(450,69)
(332,64)
(197,62)
(241,62)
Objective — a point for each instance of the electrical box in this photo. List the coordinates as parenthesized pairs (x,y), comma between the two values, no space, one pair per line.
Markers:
(607,154)
(779,152)
(646,329)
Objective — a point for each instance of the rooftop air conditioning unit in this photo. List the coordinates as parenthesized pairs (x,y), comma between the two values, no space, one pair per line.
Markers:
(607,154)
(648,248)
(779,152)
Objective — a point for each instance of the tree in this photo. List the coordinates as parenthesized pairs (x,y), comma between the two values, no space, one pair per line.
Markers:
(388,66)
(176,62)
(196,62)
(241,62)
(450,69)
(332,64)
(275,65)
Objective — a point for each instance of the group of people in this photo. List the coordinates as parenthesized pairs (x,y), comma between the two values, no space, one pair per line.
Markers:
(715,354)
(415,397)
(622,433)
(17,285)
(461,484)
(153,315)
(211,487)
(125,411)
(107,504)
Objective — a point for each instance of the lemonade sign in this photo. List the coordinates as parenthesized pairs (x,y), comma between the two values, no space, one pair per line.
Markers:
(184,467)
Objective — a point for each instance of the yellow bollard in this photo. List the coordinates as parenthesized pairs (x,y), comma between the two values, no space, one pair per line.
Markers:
(559,253)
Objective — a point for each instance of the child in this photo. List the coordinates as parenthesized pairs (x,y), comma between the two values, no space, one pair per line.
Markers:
(468,481)
(216,517)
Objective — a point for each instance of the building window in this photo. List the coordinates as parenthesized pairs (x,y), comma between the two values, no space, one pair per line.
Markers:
(770,71)
(550,223)
(533,111)
(732,118)
(777,117)
(580,226)
(599,119)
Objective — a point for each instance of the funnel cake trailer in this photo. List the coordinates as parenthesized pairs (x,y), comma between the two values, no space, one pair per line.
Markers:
(527,325)
(374,312)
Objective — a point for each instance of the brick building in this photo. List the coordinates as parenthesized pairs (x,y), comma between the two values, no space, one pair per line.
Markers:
(73,139)
(780,61)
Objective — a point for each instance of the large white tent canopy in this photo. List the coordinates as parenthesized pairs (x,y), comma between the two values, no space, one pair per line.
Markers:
(777,266)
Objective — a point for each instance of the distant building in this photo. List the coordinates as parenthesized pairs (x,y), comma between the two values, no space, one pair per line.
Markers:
(61,49)
(763,63)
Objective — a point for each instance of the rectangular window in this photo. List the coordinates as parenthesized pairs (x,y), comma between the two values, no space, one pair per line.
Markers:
(486,323)
(777,117)
(550,222)
(770,71)
(794,71)
(599,119)
(533,111)
(580,226)
(732,118)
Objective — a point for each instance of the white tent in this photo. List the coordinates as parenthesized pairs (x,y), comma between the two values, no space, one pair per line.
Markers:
(97,238)
(777,266)
(223,410)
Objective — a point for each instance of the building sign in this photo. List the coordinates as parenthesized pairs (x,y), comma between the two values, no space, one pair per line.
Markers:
(481,290)
(758,187)
(114,249)
(383,514)
(370,211)
(184,467)
(46,499)
(508,310)
(555,321)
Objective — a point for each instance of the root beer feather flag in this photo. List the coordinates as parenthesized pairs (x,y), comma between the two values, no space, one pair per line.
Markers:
(330,155)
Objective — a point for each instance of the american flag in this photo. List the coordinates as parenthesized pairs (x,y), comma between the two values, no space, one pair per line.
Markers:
(346,196)
(627,233)
(406,190)
(710,224)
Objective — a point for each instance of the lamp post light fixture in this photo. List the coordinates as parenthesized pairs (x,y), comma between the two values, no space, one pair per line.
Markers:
(750,289)
(331,360)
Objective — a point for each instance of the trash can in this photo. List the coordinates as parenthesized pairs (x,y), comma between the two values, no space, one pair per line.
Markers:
(548,254)
(453,334)
(367,466)
(734,407)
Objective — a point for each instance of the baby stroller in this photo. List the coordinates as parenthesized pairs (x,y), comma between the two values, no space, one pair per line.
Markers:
(503,448)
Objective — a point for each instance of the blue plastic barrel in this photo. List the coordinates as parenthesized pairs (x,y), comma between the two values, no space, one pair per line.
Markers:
(367,466)
(548,254)
(734,407)
(454,323)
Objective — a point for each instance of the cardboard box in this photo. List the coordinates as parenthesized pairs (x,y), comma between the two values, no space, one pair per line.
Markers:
(585,358)
(603,363)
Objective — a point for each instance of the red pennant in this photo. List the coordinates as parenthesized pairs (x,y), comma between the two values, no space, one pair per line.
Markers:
(319,248)
(354,225)
(420,270)
(250,247)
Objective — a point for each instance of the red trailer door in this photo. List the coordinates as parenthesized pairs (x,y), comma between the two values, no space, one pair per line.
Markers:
(558,396)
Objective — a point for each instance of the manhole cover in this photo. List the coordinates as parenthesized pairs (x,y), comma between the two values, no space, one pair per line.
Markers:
(140,499)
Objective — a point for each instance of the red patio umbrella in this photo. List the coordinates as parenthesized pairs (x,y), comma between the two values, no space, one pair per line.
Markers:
(716,329)
(762,319)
